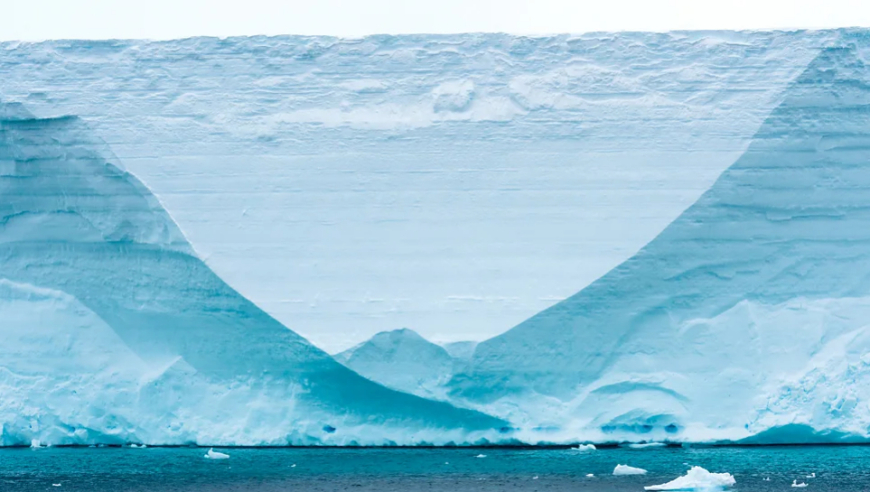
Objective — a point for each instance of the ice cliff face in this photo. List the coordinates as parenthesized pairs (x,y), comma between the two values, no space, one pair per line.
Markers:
(455,183)
(114,331)
(746,315)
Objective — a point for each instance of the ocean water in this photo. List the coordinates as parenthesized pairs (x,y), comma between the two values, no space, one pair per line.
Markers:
(837,468)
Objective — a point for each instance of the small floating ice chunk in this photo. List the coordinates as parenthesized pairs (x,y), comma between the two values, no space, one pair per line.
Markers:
(797,485)
(293,465)
(585,447)
(696,478)
(55,485)
(628,470)
(766,479)
(35,444)
(535,477)
(480,456)
(215,455)
(589,475)
(644,445)
(812,475)
(138,446)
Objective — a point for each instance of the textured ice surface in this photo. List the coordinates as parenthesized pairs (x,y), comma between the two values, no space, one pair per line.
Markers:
(456,184)
(697,478)
(747,315)
(404,361)
(114,331)
(452,184)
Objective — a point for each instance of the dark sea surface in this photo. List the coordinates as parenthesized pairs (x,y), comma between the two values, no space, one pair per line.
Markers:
(837,468)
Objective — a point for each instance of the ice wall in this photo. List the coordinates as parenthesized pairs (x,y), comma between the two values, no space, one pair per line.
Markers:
(453,184)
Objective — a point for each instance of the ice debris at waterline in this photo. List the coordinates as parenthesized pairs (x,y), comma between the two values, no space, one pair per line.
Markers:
(628,470)
(743,319)
(216,455)
(647,445)
(797,485)
(114,331)
(696,478)
(584,447)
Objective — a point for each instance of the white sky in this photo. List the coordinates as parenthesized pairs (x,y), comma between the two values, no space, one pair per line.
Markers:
(33,20)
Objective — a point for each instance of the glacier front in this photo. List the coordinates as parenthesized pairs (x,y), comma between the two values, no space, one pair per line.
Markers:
(114,331)
(168,209)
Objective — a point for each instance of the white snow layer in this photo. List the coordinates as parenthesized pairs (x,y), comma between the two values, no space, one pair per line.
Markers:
(697,478)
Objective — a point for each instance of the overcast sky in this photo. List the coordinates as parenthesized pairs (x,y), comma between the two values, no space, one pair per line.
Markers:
(167,19)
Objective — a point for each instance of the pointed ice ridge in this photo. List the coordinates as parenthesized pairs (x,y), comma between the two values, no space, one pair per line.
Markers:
(690,337)
(403,360)
(90,260)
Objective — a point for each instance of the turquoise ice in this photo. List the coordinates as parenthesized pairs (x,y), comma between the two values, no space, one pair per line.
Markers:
(748,314)
(115,331)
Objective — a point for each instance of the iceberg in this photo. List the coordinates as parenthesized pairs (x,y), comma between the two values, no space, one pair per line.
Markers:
(211,454)
(628,470)
(115,331)
(746,316)
(697,478)
(584,447)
